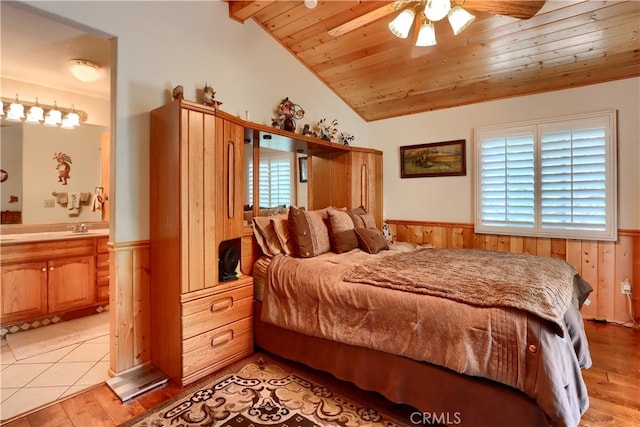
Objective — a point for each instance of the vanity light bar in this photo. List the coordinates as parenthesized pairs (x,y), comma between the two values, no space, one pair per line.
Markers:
(66,118)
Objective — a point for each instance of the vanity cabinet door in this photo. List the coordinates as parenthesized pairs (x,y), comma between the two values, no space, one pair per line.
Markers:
(24,291)
(70,283)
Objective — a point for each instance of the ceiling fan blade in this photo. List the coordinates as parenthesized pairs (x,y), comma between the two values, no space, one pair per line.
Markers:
(362,20)
(522,9)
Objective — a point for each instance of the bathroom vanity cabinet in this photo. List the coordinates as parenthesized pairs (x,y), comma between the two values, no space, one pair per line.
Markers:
(45,278)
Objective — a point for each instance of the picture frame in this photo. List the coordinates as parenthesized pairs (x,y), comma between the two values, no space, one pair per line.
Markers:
(302,169)
(446,158)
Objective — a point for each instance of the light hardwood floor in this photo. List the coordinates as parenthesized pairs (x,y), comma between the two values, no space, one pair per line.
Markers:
(613,383)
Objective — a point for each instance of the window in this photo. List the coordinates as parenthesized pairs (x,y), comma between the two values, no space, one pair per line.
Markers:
(555,178)
(275,180)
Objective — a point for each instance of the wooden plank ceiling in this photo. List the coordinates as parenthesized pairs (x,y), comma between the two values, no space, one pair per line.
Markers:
(348,45)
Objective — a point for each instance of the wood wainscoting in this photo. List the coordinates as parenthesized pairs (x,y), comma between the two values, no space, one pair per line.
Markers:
(605,265)
(129,305)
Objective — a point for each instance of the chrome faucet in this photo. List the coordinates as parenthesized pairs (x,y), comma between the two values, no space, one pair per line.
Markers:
(79,228)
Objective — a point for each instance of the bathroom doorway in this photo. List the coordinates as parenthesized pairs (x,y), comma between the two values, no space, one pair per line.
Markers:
(38,52)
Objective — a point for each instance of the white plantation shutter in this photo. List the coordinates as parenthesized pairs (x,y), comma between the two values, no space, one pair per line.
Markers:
(276,180)
(507,179)
(552,179)
(573,177)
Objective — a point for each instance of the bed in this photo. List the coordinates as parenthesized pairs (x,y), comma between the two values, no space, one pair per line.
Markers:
(425,326)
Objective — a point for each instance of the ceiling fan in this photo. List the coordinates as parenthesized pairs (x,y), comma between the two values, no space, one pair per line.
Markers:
(522,9)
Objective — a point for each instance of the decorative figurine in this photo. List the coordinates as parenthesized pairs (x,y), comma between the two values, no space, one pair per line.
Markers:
(178,93)
(64,167)
(288,112)
(327,131)
(345,138)
(306,130)
(209,96)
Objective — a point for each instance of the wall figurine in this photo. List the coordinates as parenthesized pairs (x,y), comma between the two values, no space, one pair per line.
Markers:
(209,97)
(345,138)
(63,167)
(327,131)
(288,112)
(178,93)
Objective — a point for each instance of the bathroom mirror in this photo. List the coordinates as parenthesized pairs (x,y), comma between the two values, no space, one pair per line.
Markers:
(54,175)
(37,50)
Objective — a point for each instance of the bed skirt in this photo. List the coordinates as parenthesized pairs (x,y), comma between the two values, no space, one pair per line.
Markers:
(436,391)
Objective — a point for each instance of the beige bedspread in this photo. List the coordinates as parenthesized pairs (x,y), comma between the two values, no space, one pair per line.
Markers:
(539,285)
(503,344)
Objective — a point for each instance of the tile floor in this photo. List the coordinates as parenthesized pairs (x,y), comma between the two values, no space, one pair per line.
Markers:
(30,383)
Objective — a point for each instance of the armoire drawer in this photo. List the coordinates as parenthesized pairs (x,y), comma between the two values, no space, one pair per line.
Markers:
(204,314)
(211,348)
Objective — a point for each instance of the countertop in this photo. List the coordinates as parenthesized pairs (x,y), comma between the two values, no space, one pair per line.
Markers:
(6,239)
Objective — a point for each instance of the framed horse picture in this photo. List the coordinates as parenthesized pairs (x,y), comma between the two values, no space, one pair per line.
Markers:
(435,159)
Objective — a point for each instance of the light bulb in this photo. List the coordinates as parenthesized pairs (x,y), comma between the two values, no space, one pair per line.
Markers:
(401,25)
(16,111)
(53,117)
(427,35)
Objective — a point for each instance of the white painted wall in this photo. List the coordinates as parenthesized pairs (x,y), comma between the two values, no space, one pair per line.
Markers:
(162,44)
(11,163)
(450,199)
(40,176)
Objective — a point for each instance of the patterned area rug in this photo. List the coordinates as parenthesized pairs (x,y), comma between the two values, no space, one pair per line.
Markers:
(260,392)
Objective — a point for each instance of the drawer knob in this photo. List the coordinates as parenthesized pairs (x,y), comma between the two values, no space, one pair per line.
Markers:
(222,339)
(221,305)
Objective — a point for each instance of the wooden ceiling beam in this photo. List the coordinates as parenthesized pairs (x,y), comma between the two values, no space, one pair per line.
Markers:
(242,10)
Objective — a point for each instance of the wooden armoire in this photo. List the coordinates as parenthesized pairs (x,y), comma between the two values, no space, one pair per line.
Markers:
(198,322)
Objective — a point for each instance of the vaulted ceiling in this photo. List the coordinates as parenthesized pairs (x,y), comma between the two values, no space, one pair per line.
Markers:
(512,48)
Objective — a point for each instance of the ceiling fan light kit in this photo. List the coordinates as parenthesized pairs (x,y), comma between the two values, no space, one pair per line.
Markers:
(432,11)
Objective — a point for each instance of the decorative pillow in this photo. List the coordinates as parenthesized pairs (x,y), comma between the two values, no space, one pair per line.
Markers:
(355,216)
(270,240)
(361,218)
(280,224)
(310,233)
(341,231)
(371,240)
(260,240)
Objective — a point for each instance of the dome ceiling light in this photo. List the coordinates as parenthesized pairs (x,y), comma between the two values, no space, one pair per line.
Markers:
(85,71)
